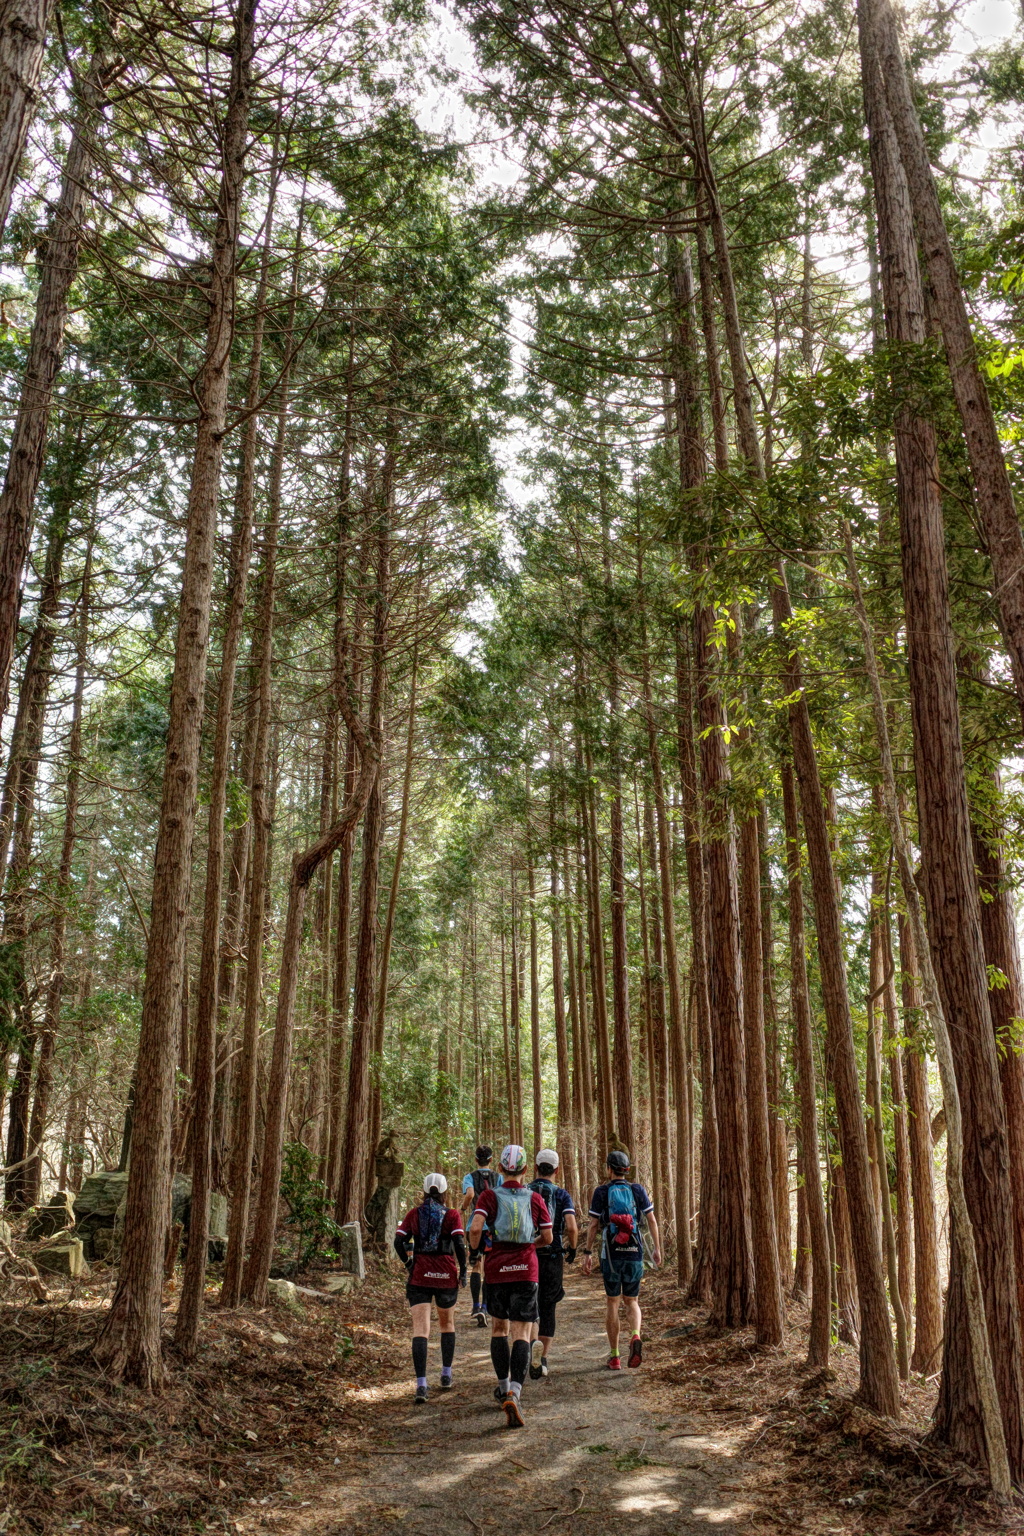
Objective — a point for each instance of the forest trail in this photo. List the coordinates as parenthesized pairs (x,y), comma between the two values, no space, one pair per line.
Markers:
(596,1453)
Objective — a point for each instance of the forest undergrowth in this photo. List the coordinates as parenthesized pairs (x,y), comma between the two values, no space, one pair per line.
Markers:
(277,1405)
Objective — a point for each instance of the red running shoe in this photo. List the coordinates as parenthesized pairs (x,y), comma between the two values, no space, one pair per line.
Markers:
(615,1362)
(636,1352)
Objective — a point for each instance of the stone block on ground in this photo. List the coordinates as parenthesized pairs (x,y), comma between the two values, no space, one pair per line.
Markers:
(96,1206)
(6,1235)
(65,1258)
(57,1215)
(350,1250)
(341,1285)
(283,1291)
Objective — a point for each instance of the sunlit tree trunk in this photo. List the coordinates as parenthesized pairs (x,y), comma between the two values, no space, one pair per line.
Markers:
(129,1343)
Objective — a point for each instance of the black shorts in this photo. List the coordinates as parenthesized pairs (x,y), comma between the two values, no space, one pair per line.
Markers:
(550,1290)
(513,1303)
(416,1295)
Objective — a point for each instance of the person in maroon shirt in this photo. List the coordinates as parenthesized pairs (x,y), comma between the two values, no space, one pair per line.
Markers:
(520,1223)
(436,1267)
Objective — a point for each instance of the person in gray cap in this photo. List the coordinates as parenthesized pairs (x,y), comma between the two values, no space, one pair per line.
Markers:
(550,1260)
(619,1208)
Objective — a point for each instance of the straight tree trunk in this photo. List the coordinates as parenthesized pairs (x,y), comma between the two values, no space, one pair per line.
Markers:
(1006,1004)
(803,1049)
(879,1384)
(128,1345)
(535,1066)
(20,792)
(993,494)
(948,882)
(23,28)
(57,271)
(927,1285)
(186,1333)
(65,891)
(767,1280)
(355,1149)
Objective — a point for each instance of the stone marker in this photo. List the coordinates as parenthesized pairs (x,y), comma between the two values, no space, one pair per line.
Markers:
(350,1250)
(283,1291)
(57,1215)
(65,1258)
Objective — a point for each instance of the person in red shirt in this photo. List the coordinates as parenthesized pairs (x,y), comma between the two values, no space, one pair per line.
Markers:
(436,1267)
(520,1223)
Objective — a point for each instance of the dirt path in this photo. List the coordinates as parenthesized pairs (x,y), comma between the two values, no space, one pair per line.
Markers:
(594,1456)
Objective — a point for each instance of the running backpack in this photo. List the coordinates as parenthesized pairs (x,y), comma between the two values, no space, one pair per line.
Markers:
(431,1223)
(483,1178)
(514,1222)
(622,1236)
(548,1191)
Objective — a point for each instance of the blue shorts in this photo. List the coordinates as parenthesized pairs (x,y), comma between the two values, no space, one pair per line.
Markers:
(622,1278)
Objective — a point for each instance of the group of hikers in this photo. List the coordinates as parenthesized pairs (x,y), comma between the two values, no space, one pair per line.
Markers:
(520,1236)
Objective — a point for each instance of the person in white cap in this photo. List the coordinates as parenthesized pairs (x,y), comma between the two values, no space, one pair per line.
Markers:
(550,1260)
(520,1223)
(436,1266)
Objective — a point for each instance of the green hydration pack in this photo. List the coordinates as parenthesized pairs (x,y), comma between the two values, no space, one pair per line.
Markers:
(514,1222)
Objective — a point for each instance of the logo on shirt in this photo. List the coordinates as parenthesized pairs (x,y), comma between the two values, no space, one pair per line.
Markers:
(434,1274)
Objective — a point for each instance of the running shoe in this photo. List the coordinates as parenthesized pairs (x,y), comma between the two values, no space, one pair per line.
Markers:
(513,1413)
(636,1352)
(422,1394)
(446,1383)
(481,1318)
(536,1360)
(499,1395)
(615,1362)
(544,1367)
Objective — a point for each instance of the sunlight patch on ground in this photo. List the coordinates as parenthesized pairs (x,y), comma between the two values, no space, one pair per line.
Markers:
(396,1389)
(647,1493)
(468,1466)
(720,1516)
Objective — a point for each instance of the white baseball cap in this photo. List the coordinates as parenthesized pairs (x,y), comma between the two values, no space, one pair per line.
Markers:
(546,1155)
(435,1181)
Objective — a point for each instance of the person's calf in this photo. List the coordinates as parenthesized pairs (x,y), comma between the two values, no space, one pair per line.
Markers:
(501,1359)
(519,1364)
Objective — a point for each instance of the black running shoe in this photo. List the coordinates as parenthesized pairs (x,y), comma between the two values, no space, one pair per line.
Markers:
(446,1383)
(499,1396)
(481,1318)
(422,1394)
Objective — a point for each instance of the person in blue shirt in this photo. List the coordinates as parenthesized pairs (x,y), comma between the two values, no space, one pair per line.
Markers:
(550,1260)
(473,1185)
(617,1209)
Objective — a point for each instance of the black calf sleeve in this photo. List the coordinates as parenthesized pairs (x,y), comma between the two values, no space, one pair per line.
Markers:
(520,1360)
(474,1288)
(500,1356)
(419,1355)
(448,1347)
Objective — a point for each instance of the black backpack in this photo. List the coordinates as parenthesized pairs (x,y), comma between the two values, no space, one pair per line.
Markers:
(483,1178)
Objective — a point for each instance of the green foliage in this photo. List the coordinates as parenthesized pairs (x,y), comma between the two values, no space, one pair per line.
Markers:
(309,1206)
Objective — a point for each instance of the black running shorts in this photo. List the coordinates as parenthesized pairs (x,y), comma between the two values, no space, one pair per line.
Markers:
(550,1291)
(514,1303)
(416,1295)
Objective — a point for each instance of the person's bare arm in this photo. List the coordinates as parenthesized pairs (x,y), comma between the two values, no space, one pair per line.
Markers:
(544,1236)
(655,1237)
(571,1229)
(467,1200)
(588,1258)
(476,1229)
